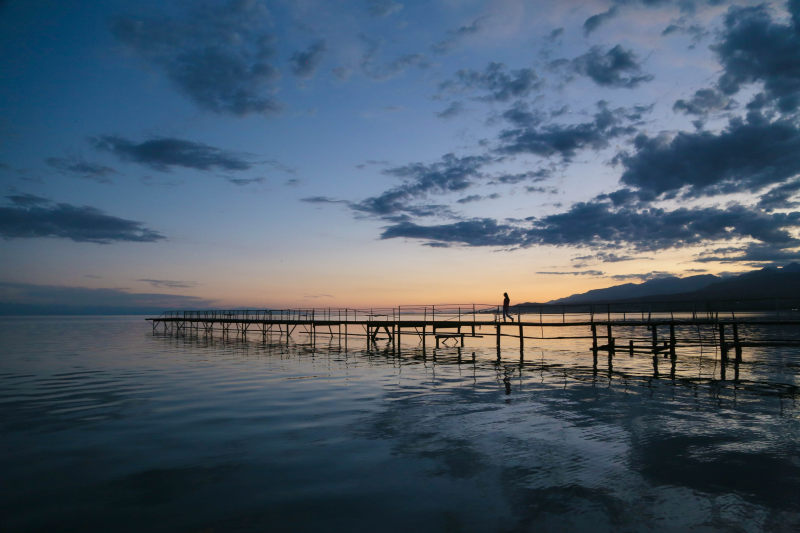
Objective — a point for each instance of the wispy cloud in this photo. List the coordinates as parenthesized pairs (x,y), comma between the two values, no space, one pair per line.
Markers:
(170,284)
(217,55)
(164,153)
(495,83)
(615,67)
(76,166)
(304,63)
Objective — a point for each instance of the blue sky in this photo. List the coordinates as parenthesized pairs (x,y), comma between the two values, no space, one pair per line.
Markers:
(379,152)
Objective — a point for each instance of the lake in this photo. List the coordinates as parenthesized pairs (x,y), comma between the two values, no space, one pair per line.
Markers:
(107,427)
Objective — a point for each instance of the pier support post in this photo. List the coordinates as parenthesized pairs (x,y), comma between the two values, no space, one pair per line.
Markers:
(736,345)
(672,340)
(654,331)
(521,339)
(611,347)
(723,348)
(498,340)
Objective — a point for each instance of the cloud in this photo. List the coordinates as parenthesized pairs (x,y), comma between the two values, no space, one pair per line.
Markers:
(746,156)
(616,67)
(322,200)
(566,140)
(30,217)
(245,181)
(27,200)
(454,37)
(475,232)
(752,253)
(595,21)
(305,63)
(451,174)
(377,70)
(572,273)
(600,257)
(498,83)
(703,102)
(168,283)
(645,276)
(597,224)
(383,8)
(477,198)
(19,298)
(454,109)
(164,153)
(784,196)
(217,55)
(754,49)
(81,168)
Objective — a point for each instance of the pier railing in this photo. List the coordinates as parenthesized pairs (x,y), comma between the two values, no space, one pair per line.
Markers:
(717,310)
(438,313)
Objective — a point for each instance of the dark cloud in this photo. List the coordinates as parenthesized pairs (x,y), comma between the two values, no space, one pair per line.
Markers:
(752,253)
(245,181)
(451,174)
(322,200)
(454,37)
(696,32)
(784,196)
(703,102)
(555,34)
(55,299)
(30,217)
(217,55)
(533,176)
(170,284)
(383,8)
(27,200)
(645,276)
(595,21)
(600,257)
(475,232)
(572,273)
(498,83)
(597,225)
(477,198)
(76,166)
(521,115)
(305,63)
(455,108)
(616,67)
(755,49)
(164,153)
(745,156)
(566,140)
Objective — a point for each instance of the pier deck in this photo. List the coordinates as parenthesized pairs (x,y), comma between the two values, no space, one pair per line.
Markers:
(610,332)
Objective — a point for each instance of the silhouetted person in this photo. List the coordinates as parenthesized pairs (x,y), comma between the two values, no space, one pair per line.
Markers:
(506,301)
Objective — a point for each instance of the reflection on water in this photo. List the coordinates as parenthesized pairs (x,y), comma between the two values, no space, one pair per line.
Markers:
(106,427)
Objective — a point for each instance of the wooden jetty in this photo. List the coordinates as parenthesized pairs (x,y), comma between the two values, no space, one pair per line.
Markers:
(657,334)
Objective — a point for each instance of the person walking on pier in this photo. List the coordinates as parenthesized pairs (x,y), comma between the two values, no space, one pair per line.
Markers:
(506,301)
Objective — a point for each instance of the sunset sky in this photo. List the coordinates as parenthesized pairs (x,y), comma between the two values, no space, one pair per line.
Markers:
(376,152)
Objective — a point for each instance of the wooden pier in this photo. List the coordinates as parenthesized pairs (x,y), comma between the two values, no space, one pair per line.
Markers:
(612,332)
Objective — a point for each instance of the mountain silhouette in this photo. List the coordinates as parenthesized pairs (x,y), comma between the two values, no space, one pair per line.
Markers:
(766,283)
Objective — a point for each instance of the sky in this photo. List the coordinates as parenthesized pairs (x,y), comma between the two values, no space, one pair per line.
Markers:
(321,153)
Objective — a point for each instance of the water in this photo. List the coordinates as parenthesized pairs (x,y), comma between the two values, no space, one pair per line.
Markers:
(105,427)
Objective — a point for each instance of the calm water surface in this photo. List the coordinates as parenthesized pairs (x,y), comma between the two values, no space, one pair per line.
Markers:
(106,427)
